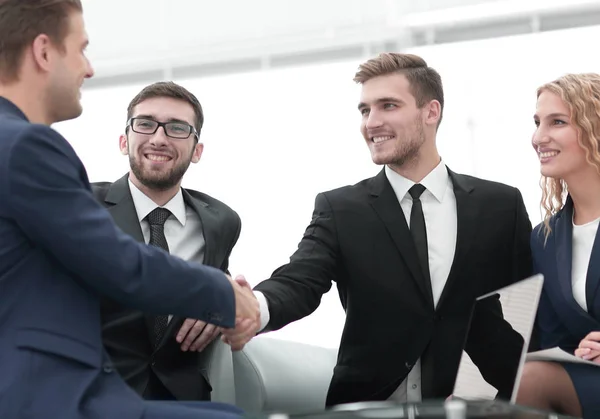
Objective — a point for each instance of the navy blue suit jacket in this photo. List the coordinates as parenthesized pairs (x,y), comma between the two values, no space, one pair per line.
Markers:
(561,321)
(59,252)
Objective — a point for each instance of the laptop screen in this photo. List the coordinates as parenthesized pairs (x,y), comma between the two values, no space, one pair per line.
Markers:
(519,303)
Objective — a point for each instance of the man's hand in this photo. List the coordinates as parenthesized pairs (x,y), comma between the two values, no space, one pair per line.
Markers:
(247,315)
(589,347)
(195,335)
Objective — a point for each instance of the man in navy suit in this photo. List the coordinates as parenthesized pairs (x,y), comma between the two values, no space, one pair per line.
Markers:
(60,250)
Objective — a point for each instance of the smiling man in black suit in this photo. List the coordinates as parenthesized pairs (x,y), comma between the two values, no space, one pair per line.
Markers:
(409,249)
(164,357)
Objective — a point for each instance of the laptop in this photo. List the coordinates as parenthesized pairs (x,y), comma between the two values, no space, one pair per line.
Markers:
(519,306)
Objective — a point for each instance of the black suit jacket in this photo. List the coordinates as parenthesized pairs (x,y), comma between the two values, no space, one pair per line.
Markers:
(126,332)
(359,238)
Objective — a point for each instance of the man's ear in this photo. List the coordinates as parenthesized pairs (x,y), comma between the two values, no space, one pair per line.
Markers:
(433,113)
(198,149)
(42,51)
(123,145)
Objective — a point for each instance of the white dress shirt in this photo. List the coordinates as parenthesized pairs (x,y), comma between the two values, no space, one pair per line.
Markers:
(583,241)
(439,209)
(183,229)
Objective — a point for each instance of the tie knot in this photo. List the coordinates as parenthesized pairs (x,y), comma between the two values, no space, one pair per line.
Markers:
(158,216)
(416,191)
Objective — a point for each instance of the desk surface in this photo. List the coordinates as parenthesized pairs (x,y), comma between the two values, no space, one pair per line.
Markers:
(429,410)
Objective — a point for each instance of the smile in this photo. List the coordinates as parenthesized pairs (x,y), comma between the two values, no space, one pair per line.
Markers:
(157,157)
(381,139)
(548,154)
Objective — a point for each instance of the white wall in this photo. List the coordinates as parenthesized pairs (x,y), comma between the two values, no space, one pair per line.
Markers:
(275,139)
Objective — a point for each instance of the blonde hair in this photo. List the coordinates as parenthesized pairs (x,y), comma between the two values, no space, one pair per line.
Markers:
(581,95)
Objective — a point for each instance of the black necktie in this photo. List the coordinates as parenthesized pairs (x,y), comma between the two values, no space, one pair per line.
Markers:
(419,234)
(157,219)
(419,231)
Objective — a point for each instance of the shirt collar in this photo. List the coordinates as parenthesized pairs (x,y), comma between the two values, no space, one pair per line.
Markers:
(436,182)
(144,205)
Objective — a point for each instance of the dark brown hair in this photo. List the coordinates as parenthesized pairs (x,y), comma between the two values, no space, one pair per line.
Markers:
(425,82)
(21,21)
(172,90)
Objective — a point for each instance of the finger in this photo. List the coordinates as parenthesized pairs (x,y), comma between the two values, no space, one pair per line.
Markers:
(207,335)
(593,336)
(184,329)
(243,283)
(592,355)
(589,344)
(581,352)
(194,332)
(241,335)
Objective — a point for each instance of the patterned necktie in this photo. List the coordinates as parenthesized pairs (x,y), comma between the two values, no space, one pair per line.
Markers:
(157,219)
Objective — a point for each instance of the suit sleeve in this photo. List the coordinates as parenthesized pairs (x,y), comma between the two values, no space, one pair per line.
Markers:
(295,290)
(51,201)
(237,227)
(522,259)
(496,347)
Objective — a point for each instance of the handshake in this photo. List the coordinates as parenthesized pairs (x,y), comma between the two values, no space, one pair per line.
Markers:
(247,315)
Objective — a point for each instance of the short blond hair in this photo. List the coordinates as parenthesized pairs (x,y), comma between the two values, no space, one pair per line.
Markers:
(425,82)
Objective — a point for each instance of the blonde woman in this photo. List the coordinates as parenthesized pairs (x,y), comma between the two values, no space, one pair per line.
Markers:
(565,246)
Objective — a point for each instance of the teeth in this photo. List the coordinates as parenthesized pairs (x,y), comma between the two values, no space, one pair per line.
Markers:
(157,158)
(547,154)
(381,139)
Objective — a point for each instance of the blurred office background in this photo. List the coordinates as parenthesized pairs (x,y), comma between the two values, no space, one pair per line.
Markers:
(281,124)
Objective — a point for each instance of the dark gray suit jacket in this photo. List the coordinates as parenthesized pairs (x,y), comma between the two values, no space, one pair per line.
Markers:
(126,332)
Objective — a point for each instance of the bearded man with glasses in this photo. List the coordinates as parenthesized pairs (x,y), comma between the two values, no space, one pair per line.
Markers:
(165,357)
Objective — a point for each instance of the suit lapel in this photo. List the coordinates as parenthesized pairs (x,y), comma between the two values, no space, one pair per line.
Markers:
(564,258)
(124,213)
(122,208)
(210,235)
(563,243)
(209,225)
(593,279)
(467,212)
(582,321)
(386,205)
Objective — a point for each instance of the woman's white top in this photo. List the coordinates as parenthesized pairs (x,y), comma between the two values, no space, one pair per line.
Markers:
(583,241)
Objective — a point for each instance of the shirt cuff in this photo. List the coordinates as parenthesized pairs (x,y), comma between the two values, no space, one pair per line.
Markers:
(264,309)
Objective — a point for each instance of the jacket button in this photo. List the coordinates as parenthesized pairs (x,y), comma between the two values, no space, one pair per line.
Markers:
(107,368)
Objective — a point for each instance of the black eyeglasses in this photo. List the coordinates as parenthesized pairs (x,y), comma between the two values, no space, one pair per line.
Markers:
(179,130)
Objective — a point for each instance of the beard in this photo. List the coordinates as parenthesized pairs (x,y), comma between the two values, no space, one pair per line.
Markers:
(404,151)
(155,180)
(408,150)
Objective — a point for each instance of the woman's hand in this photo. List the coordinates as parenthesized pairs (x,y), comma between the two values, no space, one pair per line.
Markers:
(589,347)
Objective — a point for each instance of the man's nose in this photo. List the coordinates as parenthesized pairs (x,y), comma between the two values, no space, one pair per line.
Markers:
(159,138)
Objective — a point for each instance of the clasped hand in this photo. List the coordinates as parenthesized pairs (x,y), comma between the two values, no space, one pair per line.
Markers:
(589,347)
(247,310)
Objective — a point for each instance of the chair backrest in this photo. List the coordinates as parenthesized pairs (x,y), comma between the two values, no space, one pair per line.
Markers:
(218,362)
(273,375)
